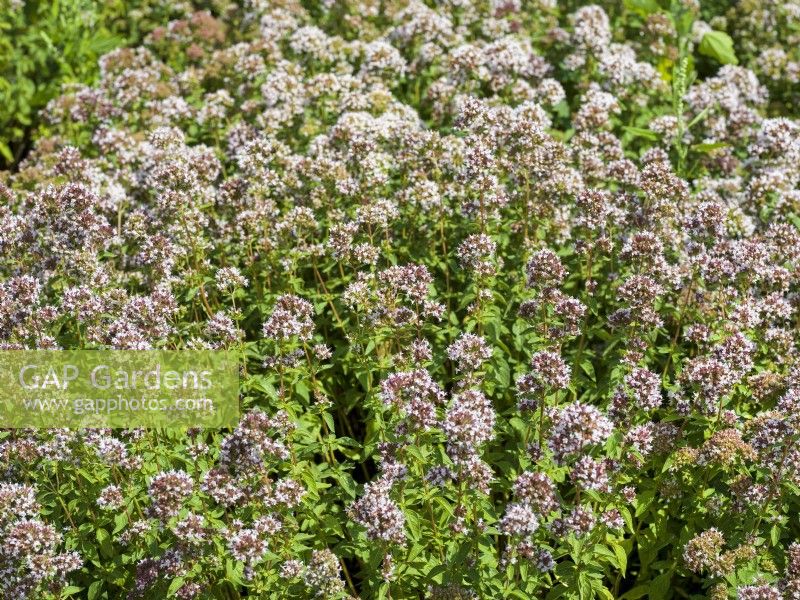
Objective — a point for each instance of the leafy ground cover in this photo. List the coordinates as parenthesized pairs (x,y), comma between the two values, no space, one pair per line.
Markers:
(514,284)
(47,45)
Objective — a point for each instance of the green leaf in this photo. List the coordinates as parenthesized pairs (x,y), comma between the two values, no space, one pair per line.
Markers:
(233,572)
(302,390)
(660,586)
(94,590)
(708,147)
(622,557)
(328,418)
(104,539)
(176,584)
(775,535)
(603,592)
(120,521)
(503,373)
(6,152)
(641,132)
(588,368)
(700,116)
(640,591)
(643,501)
(584,587)
(719,46)
(643,7)
(70,590)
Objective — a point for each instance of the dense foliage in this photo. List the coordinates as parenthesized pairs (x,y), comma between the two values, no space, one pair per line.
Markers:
(45,45)
(514,284)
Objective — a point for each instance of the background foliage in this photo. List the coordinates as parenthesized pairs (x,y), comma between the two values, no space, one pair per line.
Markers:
(45,45)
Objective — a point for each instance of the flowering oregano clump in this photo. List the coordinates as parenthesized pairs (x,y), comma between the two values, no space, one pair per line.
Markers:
(513,288)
